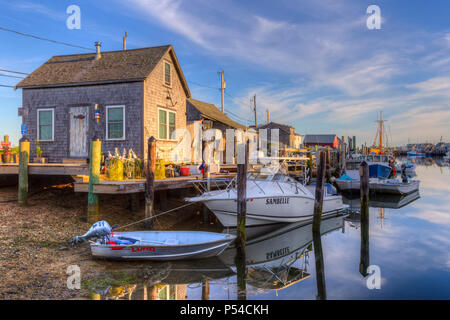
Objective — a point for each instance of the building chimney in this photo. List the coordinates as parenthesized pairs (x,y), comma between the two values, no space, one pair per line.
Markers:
(125,41)
(98,55)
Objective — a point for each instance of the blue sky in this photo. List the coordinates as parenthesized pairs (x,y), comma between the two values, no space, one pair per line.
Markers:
(313,64)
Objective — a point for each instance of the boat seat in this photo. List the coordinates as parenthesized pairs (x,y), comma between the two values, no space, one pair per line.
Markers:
(171,241)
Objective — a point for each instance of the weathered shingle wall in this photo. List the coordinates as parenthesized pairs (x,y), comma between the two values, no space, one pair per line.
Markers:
(61,99)
(155,95)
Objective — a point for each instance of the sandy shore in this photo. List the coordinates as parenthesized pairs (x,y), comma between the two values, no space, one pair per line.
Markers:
(34,248)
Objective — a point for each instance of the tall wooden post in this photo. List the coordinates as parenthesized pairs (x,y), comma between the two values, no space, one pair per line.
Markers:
(24,158)
(150,190)
(309,165)
(206,176)
(205,290)
(94,177)
(242,198)
(318,203)
(364,194)
(240,258)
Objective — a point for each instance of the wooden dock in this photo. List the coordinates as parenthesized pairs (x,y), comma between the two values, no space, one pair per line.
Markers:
(81,184)
(49,169)
(80,174)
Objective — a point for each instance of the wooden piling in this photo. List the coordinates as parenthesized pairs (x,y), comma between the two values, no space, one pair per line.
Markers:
(309,165)
(94,177)
(317,218)
(206,177)
(24,158)
(150,189)
(205,290)
(364,194)
(241,182)
(240,259)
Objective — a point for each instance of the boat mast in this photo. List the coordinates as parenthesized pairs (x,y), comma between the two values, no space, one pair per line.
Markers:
(381,132)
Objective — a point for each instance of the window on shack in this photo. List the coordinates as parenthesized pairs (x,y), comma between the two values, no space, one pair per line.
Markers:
(115,122)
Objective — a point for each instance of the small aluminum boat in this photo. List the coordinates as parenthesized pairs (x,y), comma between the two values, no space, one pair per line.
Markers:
(161,245)
(153,245)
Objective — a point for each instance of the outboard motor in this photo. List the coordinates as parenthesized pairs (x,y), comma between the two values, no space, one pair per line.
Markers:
(404,176)
(98,230)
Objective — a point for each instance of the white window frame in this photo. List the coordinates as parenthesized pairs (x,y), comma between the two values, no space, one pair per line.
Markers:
(53,123)
(167,123)
(164,73)
(107,121)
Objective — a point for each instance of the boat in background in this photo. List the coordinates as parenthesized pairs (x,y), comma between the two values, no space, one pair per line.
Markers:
(414,153)
(378,181)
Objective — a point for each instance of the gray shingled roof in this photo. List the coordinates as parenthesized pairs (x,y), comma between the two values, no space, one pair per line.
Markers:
(319,138)
(284,127)
(211,112)
(113,67)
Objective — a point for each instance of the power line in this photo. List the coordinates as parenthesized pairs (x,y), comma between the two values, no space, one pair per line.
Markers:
(10,71)
(9,76)
(6,86)
(202,85)
(45,39)
(234,98)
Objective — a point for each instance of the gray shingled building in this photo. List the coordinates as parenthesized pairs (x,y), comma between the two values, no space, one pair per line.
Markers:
(138,93)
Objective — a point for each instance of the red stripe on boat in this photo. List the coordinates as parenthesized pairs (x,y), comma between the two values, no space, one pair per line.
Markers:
(117,248)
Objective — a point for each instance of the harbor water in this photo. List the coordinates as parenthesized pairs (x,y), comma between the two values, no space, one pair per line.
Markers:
(408,256)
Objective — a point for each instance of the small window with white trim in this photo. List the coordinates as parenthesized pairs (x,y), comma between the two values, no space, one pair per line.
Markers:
(46,121)
(167,76)
(167,123)
(115,122)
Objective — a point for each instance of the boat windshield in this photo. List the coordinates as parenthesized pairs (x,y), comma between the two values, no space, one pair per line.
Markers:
(270,177)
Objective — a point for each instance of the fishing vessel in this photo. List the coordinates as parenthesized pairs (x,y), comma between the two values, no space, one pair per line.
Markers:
(352,183)
(154,245)
(414,153)
(271,198)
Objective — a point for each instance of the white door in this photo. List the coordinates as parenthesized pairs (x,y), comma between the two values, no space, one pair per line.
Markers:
(79,126)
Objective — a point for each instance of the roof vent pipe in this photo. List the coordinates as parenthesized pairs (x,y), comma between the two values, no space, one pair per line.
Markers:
(98,55)
(125,41)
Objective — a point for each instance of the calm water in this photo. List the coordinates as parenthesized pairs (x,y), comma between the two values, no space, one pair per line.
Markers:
(409,240)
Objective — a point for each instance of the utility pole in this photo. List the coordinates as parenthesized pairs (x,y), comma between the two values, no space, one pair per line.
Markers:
(222,89)
(254,110)
(268,119)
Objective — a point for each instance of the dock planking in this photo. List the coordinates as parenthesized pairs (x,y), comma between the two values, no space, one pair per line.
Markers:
(50,169)
(138,185)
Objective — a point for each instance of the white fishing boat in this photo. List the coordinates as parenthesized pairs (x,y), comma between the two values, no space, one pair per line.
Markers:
(271,198)
(391,186)
(154,245)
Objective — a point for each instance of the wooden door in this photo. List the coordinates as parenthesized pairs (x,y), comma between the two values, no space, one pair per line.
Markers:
(79,126)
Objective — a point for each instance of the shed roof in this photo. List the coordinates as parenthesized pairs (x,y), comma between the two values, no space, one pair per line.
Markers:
(113,67)
(319,138)
(286,128)
(211,112)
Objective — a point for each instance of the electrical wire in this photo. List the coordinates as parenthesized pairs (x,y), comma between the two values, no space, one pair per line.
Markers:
(10,71)
(202,85)
(45,39)
(6,86)
(9,76)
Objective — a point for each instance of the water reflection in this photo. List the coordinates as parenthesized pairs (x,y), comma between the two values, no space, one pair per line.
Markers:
(411,249)
(276,258)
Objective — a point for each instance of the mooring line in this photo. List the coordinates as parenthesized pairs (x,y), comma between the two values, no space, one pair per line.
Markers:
(139,221)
